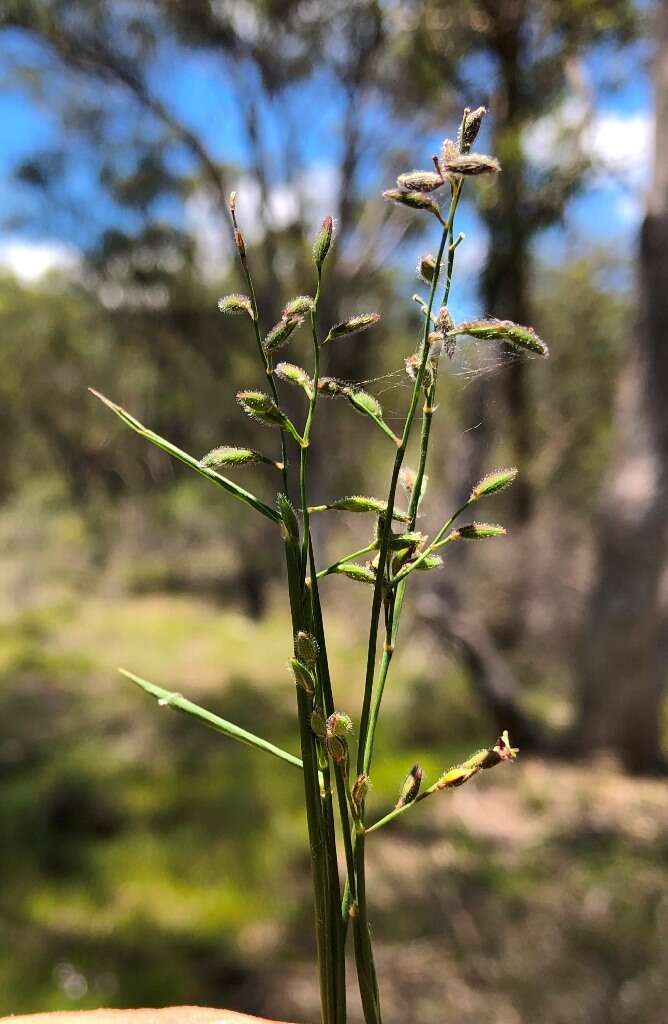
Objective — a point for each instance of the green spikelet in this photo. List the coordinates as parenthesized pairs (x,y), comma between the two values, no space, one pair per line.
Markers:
(300,306)
(235,305)
(353,325)
(365,403)
(288,517)
(323,242)
(227,455)
(502,330)
(280,333)
(302,675)
(358,573)
(493,482)
(293,374)
(261,407)
(478,531)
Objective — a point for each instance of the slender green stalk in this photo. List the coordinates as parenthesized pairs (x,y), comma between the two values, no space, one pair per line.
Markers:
(314,811)
(399,810)
(347,558)
(266,361)
(436,542)
(336,938)
(427,418)
(387,523)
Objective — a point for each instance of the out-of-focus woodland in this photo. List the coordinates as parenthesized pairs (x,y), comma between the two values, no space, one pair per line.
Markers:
(145,862)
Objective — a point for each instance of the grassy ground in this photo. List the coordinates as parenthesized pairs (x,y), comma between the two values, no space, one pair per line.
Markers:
(149,861)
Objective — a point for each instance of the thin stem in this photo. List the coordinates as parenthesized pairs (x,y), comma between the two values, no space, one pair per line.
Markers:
(335,934)
(399,810)
(314,809)
(347,558)
(436,542)
(366,970)
(427,417)
(266,362)
(387,523)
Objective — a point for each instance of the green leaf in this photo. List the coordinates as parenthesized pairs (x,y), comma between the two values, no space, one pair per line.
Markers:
(210,474)
(167,698)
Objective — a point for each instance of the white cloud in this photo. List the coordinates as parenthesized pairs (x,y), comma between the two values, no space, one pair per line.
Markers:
(620,143)
(29,261)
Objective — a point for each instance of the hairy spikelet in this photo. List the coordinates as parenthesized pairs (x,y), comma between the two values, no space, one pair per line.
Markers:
(469,164)
(502,330)
(353,325)
(415,200)
(227,455)
(235,305)
(293,374)
(478,531)
(300,306)
(493,482)
(420,181)
(280,333)
(358,573)
(365,403)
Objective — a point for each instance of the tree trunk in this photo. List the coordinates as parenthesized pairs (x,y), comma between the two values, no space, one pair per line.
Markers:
(621,677)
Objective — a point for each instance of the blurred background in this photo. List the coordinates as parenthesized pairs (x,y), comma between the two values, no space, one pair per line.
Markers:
(147,861)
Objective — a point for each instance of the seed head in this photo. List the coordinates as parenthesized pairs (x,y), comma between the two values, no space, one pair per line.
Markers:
(235,304)
(410,786)
(353,325)
(318,725)
(420,181)
(302,676)
(499,479)
(300,306)
(329,387)
(493,482)
(280,333)
(503,330)
(306,648)
(359,503)
(227,455)
(356,572)
(293,374)
(477,531)
(470,127)
(323,242)
(288,517)
(426,268)
(430,562)
(360,789)
(469,164)
(261,407)
(444,321)
(415,200)
(337,749)
(480,761)
(338,724)
(365,403)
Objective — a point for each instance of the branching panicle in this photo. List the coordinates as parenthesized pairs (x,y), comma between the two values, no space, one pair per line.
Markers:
(393,555)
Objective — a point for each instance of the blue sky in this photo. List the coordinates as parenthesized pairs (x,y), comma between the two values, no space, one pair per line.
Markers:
(33,238)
